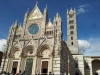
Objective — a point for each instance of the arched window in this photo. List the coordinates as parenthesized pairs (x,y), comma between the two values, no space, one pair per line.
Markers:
(71,21)
(72,27)
(71,32)
(71,38)
(70,16)
(71,43)
(76,62)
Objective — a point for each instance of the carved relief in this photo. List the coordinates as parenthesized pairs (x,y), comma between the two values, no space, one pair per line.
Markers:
(44,51)
(14,52)
(31,52)
(28,51)
(17,54)
(35,14)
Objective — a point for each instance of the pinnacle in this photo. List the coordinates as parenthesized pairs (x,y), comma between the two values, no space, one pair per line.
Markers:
(36,3)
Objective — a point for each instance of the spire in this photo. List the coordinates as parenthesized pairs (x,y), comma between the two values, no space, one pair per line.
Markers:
(54,19)
(74,10)
(28,9)
(67,11)
(71,10)
(58,17)
(49,19)
(57,14)
(46,6)
(16,22)
(45,9)
(36,3)
(49,23)
(20,25)
(27,12)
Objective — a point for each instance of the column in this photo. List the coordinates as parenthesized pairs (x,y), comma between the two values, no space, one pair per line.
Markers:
(34,65)
(22,64)
(10,64)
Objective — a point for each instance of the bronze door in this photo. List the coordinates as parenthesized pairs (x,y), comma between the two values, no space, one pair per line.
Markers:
(29,64)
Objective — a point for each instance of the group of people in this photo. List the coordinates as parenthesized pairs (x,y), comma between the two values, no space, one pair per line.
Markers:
(20,73)
(7,73)
(50,73)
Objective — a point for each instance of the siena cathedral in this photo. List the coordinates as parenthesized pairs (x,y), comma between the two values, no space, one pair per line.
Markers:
(38,47)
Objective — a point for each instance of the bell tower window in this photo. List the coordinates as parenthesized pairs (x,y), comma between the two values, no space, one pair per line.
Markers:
(71,32)
(71,43)
(71,16)
(71,21)
(71,27)
(71,38)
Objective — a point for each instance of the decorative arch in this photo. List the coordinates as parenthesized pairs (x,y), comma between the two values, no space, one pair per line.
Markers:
(96,73)
(76,62)
(26,49)
(13,50)
(86,64)
(96,66)
(43,48)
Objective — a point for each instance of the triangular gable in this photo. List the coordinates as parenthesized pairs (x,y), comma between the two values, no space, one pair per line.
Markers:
(30,42)
(17,44)
(35,14)
(45,41)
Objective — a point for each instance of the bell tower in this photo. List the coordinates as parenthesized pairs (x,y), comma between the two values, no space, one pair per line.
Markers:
(72,31)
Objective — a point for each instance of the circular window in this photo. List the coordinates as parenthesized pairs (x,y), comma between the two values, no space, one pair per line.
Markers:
(30,51)
(33,29)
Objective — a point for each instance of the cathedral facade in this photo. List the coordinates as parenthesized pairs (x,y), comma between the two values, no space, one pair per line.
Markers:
(38,47)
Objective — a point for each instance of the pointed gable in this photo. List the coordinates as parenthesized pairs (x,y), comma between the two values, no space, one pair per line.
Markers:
(35,14)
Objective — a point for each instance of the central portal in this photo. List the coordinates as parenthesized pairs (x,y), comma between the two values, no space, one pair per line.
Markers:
(29,64)
(44,69)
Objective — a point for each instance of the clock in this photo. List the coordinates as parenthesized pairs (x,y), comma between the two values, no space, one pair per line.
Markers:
(33,29)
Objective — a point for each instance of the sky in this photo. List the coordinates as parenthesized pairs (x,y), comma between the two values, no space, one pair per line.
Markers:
(88,19)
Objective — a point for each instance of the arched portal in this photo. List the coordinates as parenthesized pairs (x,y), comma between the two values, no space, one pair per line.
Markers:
(45,53)
(95,66)
(28,68)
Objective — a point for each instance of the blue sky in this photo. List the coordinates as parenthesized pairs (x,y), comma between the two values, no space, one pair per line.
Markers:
(88,19)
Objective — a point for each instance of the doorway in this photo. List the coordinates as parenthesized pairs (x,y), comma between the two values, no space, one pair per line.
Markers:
(76,73)
(44,69)
(14,68)
(96,73)
(29,64)
(95,66)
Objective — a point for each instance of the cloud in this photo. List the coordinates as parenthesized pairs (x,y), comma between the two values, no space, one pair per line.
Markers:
(2,43)
(82,9)
(83,6)
(83,45)
(95,43)
(89,46)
